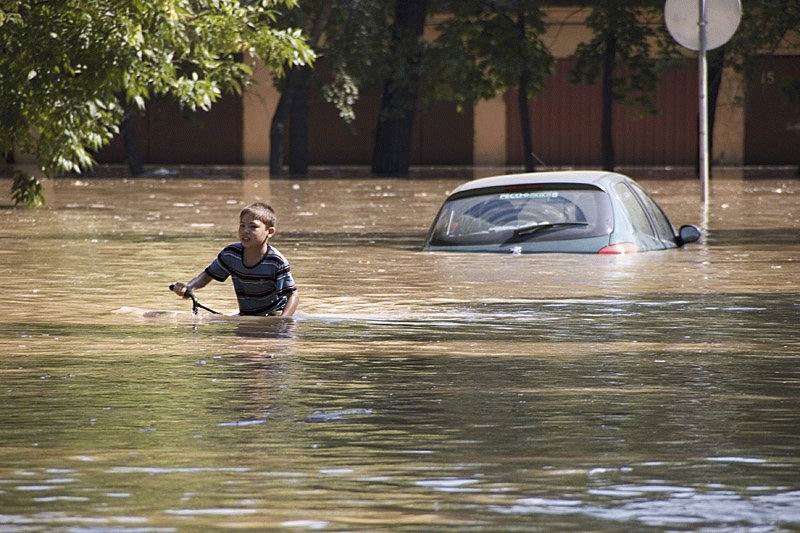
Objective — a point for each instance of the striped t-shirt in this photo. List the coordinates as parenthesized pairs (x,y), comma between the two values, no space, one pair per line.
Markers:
(262,288)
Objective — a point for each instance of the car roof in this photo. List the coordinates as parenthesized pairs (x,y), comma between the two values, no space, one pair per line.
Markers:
(598,178)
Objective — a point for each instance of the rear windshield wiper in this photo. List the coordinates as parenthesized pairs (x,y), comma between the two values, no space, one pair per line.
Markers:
(531,229)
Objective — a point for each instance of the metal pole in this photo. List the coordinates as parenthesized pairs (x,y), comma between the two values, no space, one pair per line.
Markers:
(703,126)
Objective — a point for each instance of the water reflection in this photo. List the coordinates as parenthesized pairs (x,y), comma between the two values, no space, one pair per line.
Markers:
(414,390)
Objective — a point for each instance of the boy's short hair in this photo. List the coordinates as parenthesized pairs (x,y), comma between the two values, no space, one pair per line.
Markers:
(262,212)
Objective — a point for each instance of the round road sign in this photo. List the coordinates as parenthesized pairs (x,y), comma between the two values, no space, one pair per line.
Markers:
(722,19)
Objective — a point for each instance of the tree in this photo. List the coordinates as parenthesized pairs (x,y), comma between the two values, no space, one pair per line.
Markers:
(348,36)
(486,47)
(621,53)
(766,25)
(65,66)
(637,35)
(313,17)
(392,151)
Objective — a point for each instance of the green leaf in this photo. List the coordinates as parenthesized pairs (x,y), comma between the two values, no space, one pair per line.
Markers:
(26,191)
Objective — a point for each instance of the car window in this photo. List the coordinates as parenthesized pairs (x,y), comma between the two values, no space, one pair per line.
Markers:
(638,218)
(521,214)
(663,228)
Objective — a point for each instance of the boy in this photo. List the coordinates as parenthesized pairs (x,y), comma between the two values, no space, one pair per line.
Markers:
(261,276)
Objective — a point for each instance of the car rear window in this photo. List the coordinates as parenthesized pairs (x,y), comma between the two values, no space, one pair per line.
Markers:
(502,216)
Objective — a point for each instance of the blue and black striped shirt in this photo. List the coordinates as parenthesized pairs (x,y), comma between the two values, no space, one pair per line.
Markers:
(260,289)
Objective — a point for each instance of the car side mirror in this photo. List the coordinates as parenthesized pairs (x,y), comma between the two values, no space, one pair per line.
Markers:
(687,234)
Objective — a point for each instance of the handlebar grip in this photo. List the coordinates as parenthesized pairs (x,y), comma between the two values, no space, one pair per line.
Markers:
(187,293)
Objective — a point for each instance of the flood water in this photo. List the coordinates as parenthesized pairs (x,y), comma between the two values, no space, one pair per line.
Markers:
(414,391)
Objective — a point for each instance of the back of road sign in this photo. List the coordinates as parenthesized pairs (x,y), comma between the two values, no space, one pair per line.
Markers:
(722,19)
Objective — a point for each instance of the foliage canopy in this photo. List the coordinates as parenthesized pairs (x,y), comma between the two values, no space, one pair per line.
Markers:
(485,47)
(350,38)
(638,37)
(68,68)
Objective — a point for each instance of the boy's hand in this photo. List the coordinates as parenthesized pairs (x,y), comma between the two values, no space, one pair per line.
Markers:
(180,289)
(186,289)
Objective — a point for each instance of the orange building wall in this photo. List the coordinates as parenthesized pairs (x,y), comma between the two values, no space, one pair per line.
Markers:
(754,124)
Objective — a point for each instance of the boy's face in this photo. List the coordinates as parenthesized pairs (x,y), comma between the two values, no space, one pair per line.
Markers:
(252,232)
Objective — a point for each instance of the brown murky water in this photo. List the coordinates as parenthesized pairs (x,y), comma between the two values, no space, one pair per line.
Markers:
(414,391)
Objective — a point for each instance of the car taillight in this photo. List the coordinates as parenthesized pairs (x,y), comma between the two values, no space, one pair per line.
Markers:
(619,248)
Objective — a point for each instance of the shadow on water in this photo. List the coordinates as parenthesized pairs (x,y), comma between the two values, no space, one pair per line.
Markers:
(680,318)
(754,237)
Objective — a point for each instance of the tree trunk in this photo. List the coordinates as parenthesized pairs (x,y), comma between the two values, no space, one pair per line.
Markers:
(607,126)
(298,126)
(133,154)
(522,95)
(525,122)
(716,63)
(295,86)
(277,129)
(392,152)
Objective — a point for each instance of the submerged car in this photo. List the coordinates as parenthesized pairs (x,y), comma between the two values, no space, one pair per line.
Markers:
(567,211)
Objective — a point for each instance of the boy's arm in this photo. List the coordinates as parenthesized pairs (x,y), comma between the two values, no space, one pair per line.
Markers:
(199,281)
(291,304)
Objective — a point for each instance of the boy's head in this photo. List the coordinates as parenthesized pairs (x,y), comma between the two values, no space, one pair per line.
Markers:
(260,211)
